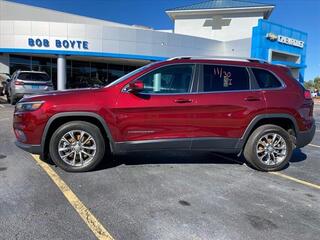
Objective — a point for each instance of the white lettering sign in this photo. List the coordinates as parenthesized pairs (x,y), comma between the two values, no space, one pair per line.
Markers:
(285,40)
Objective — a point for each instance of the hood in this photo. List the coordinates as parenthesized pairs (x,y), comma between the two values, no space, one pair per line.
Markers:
(60,93)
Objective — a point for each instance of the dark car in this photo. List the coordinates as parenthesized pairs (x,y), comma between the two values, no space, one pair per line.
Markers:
(221,105)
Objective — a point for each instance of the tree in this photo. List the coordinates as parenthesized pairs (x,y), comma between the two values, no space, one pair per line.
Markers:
(309,85)
(313,85)
(316,83)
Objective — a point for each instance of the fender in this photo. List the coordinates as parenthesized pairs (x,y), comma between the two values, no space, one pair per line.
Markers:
(260,117)
(73,114)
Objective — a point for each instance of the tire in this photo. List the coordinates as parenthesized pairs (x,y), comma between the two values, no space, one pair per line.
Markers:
(257,146)
(77,126)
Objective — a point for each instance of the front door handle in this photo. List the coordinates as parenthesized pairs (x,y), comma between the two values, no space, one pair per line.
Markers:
(252,99)
(183,100)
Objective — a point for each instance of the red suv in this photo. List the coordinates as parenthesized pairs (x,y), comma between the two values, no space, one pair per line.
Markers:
(221,105)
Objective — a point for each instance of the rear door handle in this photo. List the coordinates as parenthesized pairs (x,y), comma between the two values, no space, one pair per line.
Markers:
(183,100)
(252,99)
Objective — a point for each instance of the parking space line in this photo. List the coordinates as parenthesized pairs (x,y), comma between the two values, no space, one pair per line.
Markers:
(313,145)
(316,186)
(91,221)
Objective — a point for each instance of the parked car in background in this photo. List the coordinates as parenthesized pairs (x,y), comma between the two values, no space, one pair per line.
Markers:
(27,83)
(4,79)
(218,105)
(314,94)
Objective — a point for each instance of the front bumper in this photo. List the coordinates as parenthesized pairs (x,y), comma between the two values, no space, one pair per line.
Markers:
(305,137)
(34,149)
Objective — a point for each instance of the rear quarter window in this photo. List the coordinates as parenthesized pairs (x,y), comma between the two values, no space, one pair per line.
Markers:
(266,79)
(225,78)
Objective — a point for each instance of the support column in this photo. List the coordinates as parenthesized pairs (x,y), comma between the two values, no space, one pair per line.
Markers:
(61,72)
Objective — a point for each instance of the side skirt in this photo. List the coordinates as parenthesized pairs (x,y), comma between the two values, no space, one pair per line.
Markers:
(222,145)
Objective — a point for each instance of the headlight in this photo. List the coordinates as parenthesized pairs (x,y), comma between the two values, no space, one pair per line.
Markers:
(28,106)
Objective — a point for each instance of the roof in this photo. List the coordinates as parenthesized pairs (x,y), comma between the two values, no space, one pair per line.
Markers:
(220,4)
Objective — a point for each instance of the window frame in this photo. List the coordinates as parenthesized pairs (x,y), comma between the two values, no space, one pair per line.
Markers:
(201,78)
(258,88)
(192,88)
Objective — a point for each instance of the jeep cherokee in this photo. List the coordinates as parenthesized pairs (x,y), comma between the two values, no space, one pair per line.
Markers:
(239,106)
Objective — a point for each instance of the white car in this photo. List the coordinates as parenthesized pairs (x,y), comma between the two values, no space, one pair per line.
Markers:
(3,82)
(314,94)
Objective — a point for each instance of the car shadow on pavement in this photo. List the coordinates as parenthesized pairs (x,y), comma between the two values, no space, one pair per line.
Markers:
(298,156)
(166,157)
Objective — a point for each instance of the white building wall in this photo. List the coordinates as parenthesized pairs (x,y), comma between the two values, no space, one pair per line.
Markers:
(238,48)
(226,27)
(105,39)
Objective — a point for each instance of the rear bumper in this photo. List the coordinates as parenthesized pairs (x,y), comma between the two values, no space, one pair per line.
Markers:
(34,149)
(305,137)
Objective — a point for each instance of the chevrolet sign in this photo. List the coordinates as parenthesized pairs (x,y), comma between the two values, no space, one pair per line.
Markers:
(285,40)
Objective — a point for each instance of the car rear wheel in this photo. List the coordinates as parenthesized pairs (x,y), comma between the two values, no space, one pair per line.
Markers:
(269,148)
(77,146)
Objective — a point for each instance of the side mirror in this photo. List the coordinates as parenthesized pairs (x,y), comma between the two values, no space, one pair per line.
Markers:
(135,87)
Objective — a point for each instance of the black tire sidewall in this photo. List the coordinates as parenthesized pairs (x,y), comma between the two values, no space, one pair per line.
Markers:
(250,149)
(93,130)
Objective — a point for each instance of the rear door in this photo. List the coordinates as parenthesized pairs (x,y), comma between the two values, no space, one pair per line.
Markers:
(162,113)
(225,105)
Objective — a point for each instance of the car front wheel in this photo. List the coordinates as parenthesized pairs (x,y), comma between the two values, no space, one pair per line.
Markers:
(269,148)
(77,146)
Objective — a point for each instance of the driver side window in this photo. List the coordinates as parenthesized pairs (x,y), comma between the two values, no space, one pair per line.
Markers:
(169,79)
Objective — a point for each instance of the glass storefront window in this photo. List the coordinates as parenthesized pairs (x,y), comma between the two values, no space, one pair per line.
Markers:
(14,67)
(80,74)
(114,72)
(40,61)
(20,59)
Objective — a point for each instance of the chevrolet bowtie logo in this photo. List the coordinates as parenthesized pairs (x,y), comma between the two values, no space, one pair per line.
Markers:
(272,36)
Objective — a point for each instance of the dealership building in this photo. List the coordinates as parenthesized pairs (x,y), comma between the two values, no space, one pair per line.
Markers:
(78,51)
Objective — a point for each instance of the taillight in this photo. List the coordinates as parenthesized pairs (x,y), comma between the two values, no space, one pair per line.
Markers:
(17,82)
(307,95)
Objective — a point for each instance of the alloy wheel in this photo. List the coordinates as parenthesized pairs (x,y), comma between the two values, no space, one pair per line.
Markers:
(77,148)
(271,149)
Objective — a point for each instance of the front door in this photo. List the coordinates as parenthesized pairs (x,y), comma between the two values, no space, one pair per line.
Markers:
(160,115)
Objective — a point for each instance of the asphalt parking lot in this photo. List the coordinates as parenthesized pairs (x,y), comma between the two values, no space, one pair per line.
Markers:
(160,195)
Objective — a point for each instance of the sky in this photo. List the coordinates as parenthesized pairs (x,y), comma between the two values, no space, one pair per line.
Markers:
(303,15)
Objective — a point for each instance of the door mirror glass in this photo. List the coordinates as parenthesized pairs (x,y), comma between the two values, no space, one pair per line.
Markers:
(135,87)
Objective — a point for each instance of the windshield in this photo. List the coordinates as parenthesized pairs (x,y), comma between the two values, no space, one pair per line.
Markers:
(38,77)
(129,75)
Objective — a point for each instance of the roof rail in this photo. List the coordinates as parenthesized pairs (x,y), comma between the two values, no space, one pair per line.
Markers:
(259,60)
(232,58)
(179,57)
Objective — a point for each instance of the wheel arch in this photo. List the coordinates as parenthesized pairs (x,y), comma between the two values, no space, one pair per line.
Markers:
(60,118)
(285,121)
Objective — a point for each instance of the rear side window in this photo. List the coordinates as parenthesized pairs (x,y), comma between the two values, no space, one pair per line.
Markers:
(224,78)
(39,77)
(266,79)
